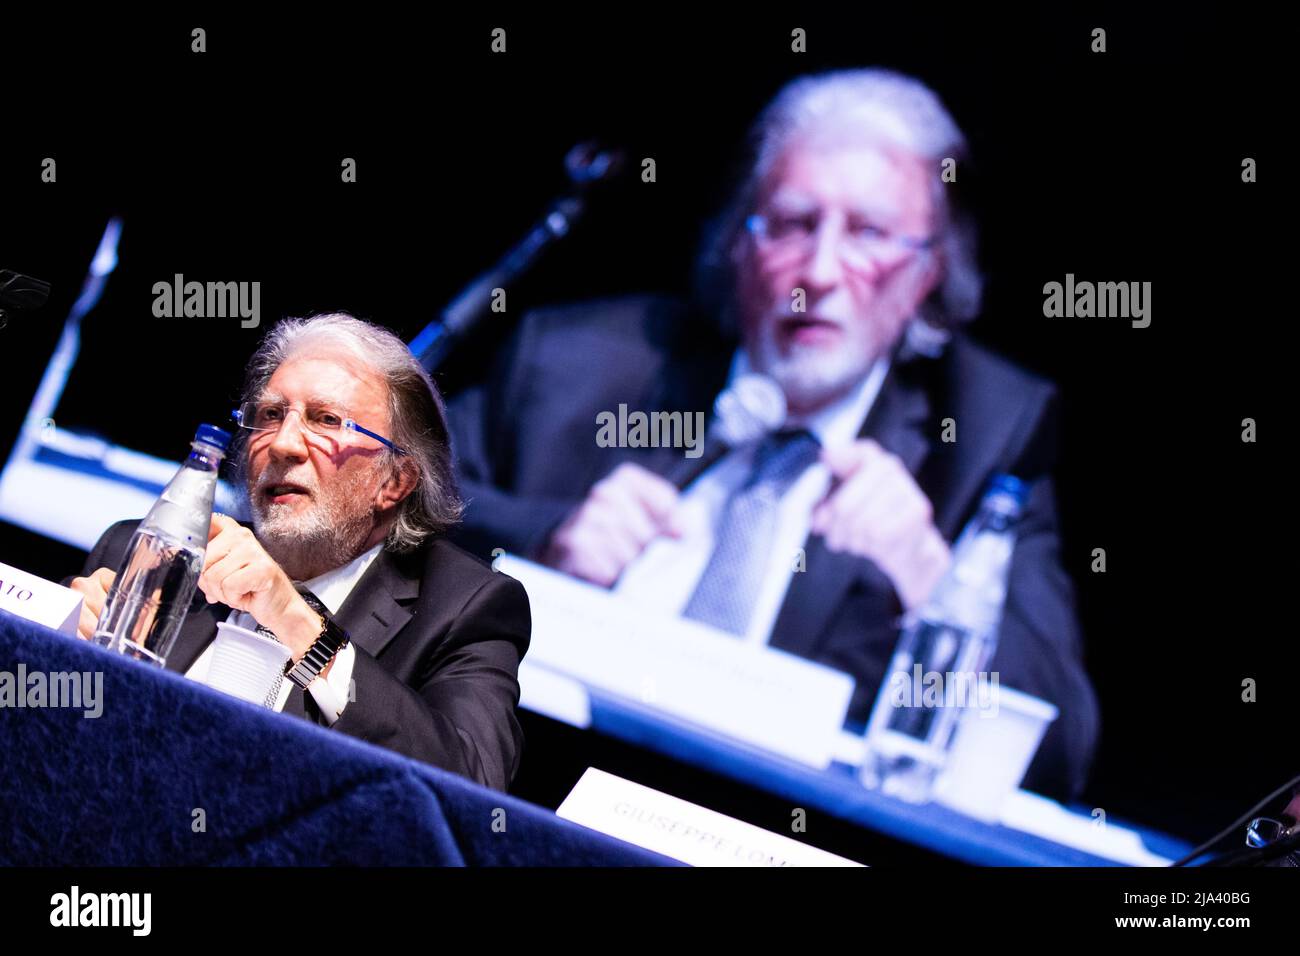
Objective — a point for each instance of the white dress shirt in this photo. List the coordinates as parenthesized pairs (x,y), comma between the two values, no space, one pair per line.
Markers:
(667,571)
(332,588)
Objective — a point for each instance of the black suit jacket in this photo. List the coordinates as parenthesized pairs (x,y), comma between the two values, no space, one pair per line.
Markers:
(439,637)
(527,455)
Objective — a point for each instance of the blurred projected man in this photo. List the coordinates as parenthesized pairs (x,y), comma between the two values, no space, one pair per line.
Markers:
(398,637)
(842,271)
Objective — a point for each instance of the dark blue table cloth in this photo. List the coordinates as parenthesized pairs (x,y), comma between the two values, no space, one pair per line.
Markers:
(174,773)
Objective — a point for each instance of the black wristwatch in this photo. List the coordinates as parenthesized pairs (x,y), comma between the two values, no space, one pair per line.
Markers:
(328,643)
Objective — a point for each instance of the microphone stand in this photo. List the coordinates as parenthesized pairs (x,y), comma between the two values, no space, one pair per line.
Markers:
(586,165)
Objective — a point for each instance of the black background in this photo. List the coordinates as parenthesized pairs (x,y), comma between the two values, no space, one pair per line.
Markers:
(1122,166)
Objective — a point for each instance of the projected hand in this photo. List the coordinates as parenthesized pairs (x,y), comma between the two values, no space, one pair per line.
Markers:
(877,511)
(622,513)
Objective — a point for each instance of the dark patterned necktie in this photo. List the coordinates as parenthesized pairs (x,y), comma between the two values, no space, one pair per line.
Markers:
(729,588)
(291,704)
(272,695)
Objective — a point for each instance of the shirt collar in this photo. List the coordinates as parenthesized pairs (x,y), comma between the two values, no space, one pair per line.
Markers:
(839,422)
(333,587)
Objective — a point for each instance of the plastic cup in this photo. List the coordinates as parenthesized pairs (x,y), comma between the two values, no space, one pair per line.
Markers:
(991,751)
(245,664)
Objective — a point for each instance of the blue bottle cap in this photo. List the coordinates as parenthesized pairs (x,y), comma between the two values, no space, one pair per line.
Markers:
(1009,485)
(212,435)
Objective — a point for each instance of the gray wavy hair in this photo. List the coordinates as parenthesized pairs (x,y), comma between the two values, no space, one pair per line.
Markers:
(883,105)
(416,414)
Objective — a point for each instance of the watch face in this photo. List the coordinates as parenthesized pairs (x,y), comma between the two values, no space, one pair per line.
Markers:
(333,635)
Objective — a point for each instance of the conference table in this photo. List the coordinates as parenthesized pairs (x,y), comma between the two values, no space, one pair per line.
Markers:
(148,768)
(761,722)
(1041,833)
(172,772)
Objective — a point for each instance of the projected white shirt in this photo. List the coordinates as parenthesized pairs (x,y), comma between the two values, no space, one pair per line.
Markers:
(665,574)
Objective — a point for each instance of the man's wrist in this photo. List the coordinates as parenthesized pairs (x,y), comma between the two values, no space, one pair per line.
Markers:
(300,628)
(320,653)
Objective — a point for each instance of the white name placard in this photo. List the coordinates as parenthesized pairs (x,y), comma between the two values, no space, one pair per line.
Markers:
(757,695)
(681,830)
(39,600)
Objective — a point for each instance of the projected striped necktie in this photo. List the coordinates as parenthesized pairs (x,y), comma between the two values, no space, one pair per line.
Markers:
(726,593)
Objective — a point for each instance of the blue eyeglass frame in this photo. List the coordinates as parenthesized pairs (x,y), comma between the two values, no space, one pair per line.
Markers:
(349,424)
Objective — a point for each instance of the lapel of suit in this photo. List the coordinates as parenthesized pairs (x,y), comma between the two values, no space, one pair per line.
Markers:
(196,633)
(198,630)
(379,605)
(897,421)
(370,614)
(955,473)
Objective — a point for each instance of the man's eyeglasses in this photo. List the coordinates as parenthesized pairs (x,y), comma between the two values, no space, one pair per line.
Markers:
(861,244)
(319,420)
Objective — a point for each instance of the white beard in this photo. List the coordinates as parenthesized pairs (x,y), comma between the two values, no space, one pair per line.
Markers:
(811,377)
(327,535)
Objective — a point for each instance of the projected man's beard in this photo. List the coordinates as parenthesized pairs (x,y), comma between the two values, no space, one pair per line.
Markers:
(324,531)
(813,375)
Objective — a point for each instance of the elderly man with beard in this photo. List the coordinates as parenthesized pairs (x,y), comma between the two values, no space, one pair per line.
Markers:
(348,528)
(842,270)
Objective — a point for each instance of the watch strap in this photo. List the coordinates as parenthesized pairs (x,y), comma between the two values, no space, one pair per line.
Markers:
(331,638)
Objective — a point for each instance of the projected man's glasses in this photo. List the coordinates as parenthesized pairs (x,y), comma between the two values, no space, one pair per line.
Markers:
(318,419)
(860,243)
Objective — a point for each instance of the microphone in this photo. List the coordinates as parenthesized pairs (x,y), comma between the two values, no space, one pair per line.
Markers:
(20,293)
(748,410)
